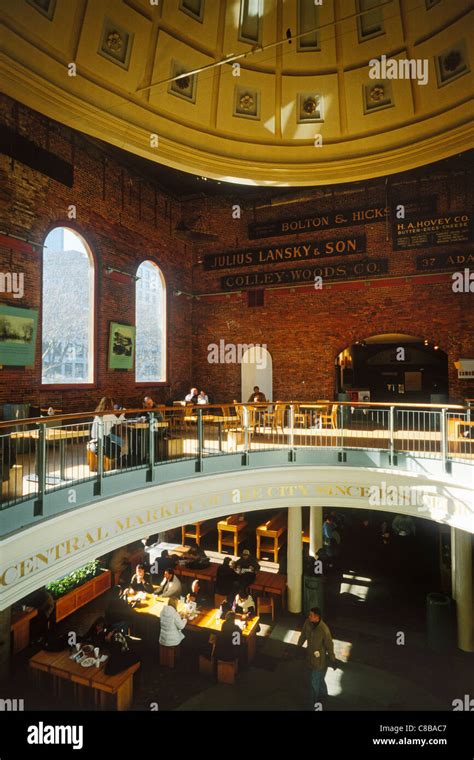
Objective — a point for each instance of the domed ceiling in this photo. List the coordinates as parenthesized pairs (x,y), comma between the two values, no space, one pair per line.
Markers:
(302,105)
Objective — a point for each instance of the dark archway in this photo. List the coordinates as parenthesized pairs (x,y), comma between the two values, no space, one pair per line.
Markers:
(393,367)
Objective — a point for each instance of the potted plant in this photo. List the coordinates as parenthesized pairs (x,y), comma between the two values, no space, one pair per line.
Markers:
(78,588)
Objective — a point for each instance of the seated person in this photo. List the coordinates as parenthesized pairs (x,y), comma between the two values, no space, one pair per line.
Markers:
(228,641)
(203,398)
(196,592)
(96,635)
(171,625)
(141,581)
(247,567)
(118,614)
(226,579)
(244,605)
(223,610)
(191,602)
(114,445)
(163,562)
(192,397)
(257,397)
(170,586)
(149,404)
(121,654)
(197,558)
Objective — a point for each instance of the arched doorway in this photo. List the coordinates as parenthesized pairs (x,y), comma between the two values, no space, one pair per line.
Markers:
(256,369)
(393,367)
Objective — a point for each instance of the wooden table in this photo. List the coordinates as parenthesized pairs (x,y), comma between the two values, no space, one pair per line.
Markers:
(60,666)
(208,573)
(55,434)
(20,628)
(234,525)
(271,583)
(273,529)
(199,531)
(206,619)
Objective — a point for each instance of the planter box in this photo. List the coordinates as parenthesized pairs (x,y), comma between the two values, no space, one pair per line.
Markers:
(82,595)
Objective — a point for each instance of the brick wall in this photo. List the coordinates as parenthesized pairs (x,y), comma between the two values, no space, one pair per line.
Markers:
(122,227)
(304,329)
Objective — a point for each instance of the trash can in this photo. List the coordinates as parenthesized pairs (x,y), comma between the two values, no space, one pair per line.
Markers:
(439,621)
(313,592)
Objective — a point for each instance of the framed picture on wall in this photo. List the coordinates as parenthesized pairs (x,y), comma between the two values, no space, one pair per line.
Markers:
(121,346)
(18,329)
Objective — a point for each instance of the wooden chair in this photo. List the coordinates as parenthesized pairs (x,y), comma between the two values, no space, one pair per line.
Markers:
(266,604)
(92,463)
(226,671)
(276,418)
(169,656)
(328,418)
(301,418)
(240,411)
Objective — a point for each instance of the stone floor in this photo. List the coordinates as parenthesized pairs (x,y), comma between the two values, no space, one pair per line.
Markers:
(383,596)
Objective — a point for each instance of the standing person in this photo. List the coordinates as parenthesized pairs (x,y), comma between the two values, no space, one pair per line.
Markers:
(319,651)
(329,540)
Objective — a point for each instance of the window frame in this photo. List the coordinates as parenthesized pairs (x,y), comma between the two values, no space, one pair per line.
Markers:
(240,35)
(67,224)
(164,354)
(373,35)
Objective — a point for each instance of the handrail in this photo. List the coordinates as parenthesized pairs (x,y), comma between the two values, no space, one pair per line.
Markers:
(192,407)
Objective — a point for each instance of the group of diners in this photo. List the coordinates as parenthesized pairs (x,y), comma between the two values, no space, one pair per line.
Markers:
(232,585)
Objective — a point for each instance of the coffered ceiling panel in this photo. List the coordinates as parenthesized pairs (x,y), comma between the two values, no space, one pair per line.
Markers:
(254,122)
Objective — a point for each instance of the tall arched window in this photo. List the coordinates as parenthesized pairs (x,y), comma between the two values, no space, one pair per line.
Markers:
(150,321)
(68,306)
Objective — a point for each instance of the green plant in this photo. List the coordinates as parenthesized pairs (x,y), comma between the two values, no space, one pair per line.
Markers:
(73,580)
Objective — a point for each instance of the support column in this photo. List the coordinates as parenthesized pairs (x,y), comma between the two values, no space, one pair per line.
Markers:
(315,530)
(461,563)
(5,622)
(295,559)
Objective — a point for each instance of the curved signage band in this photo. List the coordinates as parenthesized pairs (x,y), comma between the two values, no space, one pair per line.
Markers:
(44,552)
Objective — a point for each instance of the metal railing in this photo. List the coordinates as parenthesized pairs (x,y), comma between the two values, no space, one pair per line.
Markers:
(41,455)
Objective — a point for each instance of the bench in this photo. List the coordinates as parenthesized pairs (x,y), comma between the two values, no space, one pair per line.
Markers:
(234,524)
(200,530)
(273,530)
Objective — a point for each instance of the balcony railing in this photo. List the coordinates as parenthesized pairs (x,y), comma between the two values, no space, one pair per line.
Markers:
(42,455)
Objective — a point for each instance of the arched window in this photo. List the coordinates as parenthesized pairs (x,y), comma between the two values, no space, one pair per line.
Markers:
(68,309)
(150,321)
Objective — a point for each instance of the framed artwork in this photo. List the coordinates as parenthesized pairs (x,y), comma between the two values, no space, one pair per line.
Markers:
(121,346)
(18,330)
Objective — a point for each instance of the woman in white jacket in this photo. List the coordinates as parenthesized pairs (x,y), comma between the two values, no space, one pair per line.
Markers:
(171,625)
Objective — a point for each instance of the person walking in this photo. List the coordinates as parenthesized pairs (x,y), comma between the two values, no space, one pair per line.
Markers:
(319,653)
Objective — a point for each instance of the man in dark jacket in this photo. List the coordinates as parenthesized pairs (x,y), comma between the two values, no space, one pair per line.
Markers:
(319,653)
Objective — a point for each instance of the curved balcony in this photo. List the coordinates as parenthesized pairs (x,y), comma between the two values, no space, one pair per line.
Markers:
(72,493)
